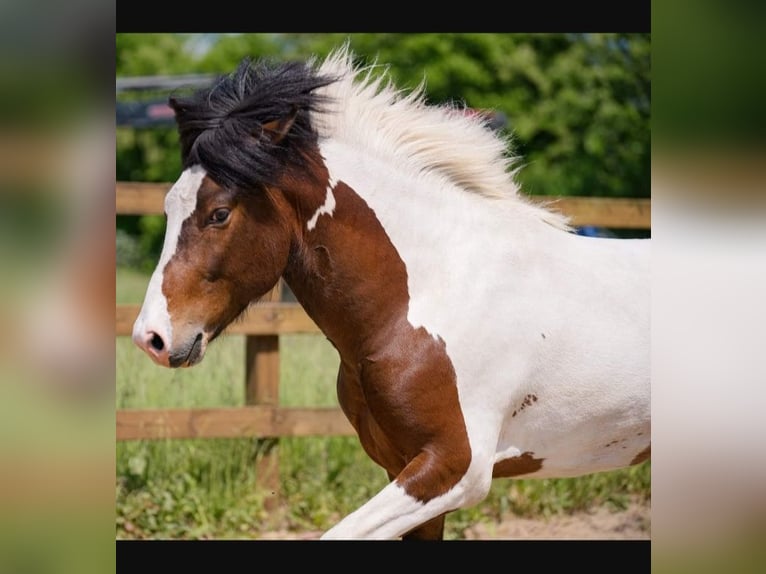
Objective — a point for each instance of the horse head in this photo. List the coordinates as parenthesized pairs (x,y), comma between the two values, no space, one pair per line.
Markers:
(230,228)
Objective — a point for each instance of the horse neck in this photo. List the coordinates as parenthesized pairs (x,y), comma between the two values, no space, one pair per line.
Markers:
(345,271)
(371,234)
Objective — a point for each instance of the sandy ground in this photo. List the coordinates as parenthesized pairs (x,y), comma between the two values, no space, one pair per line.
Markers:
(634,523)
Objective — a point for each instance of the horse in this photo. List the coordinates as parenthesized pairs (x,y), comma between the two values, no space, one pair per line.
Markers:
(478,336)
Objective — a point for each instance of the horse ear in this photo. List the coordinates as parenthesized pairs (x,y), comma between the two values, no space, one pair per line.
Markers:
(277,129)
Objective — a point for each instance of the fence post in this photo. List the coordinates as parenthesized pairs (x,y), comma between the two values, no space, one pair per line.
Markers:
(262,388)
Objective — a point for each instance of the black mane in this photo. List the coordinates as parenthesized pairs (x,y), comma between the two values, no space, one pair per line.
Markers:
(220,127)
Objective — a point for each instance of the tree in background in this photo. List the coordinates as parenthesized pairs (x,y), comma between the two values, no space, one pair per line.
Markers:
(577,105)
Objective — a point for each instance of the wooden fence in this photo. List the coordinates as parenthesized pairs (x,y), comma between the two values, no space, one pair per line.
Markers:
(263,417)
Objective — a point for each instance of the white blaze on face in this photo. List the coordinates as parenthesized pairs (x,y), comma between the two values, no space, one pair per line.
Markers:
(180,202)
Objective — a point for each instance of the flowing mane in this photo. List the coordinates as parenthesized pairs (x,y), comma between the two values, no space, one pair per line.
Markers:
(370,112)
(220,127)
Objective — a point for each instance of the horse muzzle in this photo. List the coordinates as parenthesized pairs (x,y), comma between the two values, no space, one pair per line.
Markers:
(187,354)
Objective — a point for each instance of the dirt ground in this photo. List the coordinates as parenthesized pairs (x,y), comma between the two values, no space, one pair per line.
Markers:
(633,523)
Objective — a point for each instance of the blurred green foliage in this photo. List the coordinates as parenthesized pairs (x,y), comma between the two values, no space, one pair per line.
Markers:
(711,84)
(578,105)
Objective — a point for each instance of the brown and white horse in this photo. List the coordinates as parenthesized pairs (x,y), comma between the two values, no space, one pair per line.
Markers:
(478,336)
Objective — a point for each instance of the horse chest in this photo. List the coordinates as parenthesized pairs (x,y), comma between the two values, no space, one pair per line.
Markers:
(403,399)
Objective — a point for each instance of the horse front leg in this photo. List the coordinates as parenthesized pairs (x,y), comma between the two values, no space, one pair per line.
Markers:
(414,504)
(410,421)
(431,530)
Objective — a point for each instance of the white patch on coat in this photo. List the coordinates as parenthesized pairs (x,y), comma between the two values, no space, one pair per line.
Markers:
(327,208)
(393,512)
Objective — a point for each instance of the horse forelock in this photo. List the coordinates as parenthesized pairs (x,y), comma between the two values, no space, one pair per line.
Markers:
(221,127)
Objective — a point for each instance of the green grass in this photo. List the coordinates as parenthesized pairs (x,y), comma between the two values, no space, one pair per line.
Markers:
(207,488)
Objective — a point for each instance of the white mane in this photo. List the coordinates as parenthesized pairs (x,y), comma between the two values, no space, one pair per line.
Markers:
(439,139)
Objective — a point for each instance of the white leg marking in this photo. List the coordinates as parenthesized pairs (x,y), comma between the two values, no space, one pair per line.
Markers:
(327,208)
(392,512)
(388,515)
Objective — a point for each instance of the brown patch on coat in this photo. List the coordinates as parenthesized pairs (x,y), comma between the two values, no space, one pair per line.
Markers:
(642,456)
(525,463)
(396,383)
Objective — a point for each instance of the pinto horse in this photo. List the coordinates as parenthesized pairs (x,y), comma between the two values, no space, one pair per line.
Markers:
(478,336)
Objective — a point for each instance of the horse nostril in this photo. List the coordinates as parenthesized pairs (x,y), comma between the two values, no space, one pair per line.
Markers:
(156,342)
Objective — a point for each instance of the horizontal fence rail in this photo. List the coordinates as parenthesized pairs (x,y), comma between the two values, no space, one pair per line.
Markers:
(231,422)
(262,325)
(134,198)
(260,319)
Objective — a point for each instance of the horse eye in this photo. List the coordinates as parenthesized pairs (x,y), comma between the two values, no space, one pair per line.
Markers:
(219,215)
